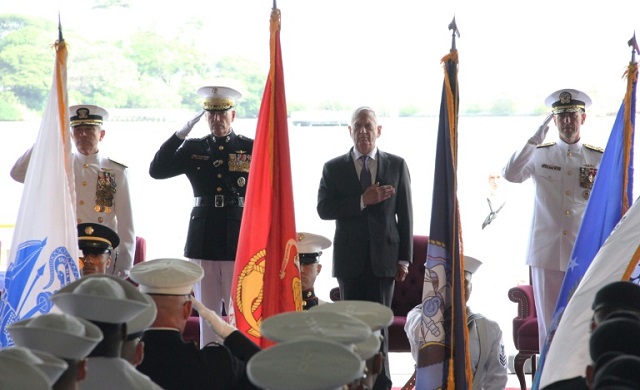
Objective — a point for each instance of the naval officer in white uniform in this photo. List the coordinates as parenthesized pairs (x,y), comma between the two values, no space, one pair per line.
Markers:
(102,184)
(563,172)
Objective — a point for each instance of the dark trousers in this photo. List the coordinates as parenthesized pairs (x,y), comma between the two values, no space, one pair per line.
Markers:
(369,287)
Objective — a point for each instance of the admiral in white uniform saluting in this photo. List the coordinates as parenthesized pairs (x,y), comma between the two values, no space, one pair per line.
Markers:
(563,173)
(102,184)
(486,349)
(217,167)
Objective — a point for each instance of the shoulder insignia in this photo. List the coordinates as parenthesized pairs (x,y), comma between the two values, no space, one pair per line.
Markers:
(546,144)
(595,148)
(119,163)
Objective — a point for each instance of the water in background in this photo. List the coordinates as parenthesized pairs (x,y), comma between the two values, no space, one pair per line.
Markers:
(162,207)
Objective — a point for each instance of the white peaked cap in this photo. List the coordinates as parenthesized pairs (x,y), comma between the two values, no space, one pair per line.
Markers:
(312,243)
(87,114)
(61,335)
(371,346)
(50,365)
(166,276)
(305,364)
(102,298)
(374,314)
(338,327)
(16,374)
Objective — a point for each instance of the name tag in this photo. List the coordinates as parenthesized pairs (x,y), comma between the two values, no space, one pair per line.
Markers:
(554,167)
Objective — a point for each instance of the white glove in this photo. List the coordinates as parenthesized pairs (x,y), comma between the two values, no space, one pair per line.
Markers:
(216,323)
(538,137)
(182,133)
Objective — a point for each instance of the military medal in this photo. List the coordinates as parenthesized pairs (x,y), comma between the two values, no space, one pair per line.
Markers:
(105,191)
(587,177)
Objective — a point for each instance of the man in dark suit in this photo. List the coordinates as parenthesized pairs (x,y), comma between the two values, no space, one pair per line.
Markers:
(368,193)
(168,359)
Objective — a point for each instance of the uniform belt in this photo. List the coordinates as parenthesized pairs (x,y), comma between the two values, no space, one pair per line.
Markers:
(218,201)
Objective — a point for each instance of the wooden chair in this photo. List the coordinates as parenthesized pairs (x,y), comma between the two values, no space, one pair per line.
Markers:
(525,331)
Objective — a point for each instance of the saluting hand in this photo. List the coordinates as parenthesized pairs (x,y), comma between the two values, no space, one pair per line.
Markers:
(216,323)
(377,193)
(538,137)
(182,133)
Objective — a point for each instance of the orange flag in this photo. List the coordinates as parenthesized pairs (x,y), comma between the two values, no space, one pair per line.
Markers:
(267,276)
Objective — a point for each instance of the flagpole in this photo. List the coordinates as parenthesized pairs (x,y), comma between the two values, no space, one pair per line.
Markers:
(454,31)
(634,47)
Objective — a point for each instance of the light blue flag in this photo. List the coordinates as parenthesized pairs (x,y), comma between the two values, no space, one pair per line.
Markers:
(44,250)
(610,198)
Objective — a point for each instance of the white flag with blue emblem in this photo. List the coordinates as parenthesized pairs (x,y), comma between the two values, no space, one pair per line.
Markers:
(44,250)
(617,260)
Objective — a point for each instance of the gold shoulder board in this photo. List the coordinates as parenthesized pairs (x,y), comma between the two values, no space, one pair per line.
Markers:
(119,163)
(596,148)
(547,144)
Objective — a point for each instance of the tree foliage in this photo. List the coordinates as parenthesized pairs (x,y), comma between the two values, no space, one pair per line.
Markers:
(142,70)
(26,58)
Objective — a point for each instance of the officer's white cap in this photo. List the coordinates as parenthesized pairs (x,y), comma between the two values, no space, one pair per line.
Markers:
(87,114)
(305,364)
(471,264)
(60,334)
(166,276)
(338,327)
(568,100)
(50,365)
(142,321)
(18,374)
(102,298)
(310,246)
(374,314)
(218,98)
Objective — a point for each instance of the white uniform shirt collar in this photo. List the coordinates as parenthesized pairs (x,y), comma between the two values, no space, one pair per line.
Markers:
(569,147)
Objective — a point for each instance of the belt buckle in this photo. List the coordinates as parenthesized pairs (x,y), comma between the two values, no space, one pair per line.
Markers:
(241,201)
(219,201)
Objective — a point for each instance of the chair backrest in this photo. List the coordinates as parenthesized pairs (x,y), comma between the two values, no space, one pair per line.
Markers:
(408,294)
(141,250)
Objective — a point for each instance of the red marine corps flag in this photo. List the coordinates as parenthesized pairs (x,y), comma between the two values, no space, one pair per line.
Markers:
(266,276)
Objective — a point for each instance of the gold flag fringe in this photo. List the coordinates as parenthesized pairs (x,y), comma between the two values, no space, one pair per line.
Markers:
(632,76)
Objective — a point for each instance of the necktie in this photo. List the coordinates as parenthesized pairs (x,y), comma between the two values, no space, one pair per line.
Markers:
(365,174)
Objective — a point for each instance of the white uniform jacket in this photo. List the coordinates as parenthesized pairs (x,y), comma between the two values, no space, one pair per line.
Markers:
(115,373)
(488,358)
(562,175)
(102,196)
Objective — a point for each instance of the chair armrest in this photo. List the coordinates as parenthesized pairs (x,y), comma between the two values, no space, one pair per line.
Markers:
(523,296)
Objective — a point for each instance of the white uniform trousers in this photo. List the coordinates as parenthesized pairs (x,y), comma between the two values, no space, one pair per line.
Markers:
(214,291)
(546,288)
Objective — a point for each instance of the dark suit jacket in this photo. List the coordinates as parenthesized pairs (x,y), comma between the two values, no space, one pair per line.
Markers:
(382,233)
(174,364)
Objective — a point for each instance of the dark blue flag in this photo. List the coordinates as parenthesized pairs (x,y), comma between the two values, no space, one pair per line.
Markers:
(444,321)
